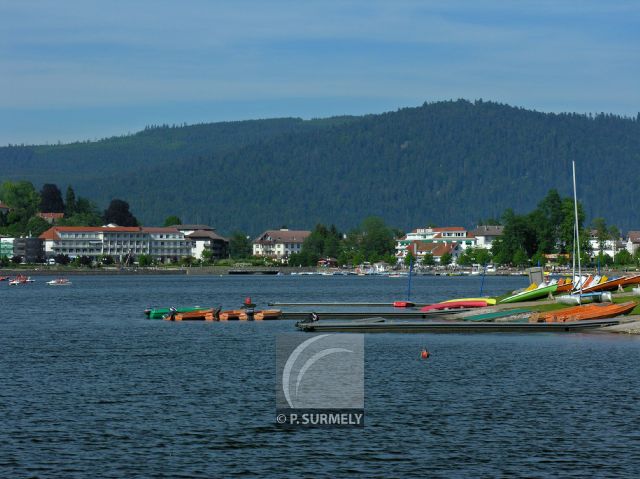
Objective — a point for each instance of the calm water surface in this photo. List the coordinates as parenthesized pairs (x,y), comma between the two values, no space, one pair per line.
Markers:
(88,388)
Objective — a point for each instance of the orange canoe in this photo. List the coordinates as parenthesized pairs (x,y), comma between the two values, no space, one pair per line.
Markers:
(241,315)
(267,314)
(586,311)
(200,315)
(233,315)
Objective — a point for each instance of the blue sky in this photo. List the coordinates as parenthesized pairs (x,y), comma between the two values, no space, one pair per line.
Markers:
(82,69)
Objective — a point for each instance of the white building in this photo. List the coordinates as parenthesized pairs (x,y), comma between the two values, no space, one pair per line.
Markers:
(438,235)
(486,234)
(633,242)
(208,240)
(609,247)
(163,244)
(279,244)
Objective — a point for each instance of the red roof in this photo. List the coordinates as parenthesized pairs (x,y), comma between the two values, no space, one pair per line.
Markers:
(443,248)
(282,236)
(3,206)
(52,233)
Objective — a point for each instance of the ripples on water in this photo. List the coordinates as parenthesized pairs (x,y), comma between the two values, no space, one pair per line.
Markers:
(91,389)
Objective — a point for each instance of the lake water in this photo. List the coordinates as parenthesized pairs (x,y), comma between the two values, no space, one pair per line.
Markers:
(89,388)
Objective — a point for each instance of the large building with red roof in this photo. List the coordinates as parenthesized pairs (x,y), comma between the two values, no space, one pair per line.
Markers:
(163,244)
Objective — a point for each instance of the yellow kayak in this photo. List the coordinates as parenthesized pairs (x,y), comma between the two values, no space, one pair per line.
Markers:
(489,301)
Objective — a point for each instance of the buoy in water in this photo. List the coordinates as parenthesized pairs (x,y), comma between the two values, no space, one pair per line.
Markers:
(424,354)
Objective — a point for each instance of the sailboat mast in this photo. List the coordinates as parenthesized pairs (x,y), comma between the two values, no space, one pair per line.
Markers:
(577,235)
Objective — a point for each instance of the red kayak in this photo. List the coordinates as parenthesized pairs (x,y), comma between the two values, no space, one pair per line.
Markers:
(454,305)
(403,304)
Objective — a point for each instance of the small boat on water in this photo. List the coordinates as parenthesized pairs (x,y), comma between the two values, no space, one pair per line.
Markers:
(160,313)
(584,312)
(403,304)
(248,314)
(267,315)
(233,315)
(199,315)
(21,279)
(533,292)
(59,282)
(4,278)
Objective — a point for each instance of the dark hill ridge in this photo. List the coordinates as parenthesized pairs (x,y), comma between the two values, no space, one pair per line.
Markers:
(448,162)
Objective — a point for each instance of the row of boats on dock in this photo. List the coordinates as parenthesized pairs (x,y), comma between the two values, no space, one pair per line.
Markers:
(583,285)
(543,307)
(197,313)
(537,308)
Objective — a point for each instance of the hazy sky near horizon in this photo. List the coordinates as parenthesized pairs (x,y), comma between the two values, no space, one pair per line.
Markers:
(84,69)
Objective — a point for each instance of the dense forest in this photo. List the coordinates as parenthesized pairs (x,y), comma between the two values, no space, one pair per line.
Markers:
(452,162)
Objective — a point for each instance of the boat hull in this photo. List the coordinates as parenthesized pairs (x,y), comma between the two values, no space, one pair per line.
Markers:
(585,312)
(454,305)
(160,313)
(531,294)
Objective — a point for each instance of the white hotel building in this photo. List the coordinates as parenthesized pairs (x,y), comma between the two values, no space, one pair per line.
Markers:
(164,244)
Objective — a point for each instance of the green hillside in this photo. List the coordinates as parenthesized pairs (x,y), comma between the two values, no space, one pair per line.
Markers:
(448,162)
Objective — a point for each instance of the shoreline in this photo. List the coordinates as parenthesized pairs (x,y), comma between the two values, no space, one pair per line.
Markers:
(245,270)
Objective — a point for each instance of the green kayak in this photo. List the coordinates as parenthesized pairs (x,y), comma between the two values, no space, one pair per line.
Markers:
(541,291)
(159,313)
(496,315)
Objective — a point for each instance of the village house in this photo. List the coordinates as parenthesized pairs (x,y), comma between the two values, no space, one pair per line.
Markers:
(609,246)
(633,242)
(436,235)
(205,238)
(485,235)
(279,244)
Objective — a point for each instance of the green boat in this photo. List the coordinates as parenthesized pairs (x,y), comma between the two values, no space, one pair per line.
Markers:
(541,291)
(159,313)
(497,315)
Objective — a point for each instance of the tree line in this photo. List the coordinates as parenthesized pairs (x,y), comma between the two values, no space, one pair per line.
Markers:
(527,239)
(549,231)
(25,202)
(448,161)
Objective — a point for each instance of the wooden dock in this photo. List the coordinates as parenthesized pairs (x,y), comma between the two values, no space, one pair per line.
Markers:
(381,325)
(353,315)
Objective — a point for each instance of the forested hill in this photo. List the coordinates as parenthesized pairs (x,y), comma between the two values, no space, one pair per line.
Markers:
(451,163)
